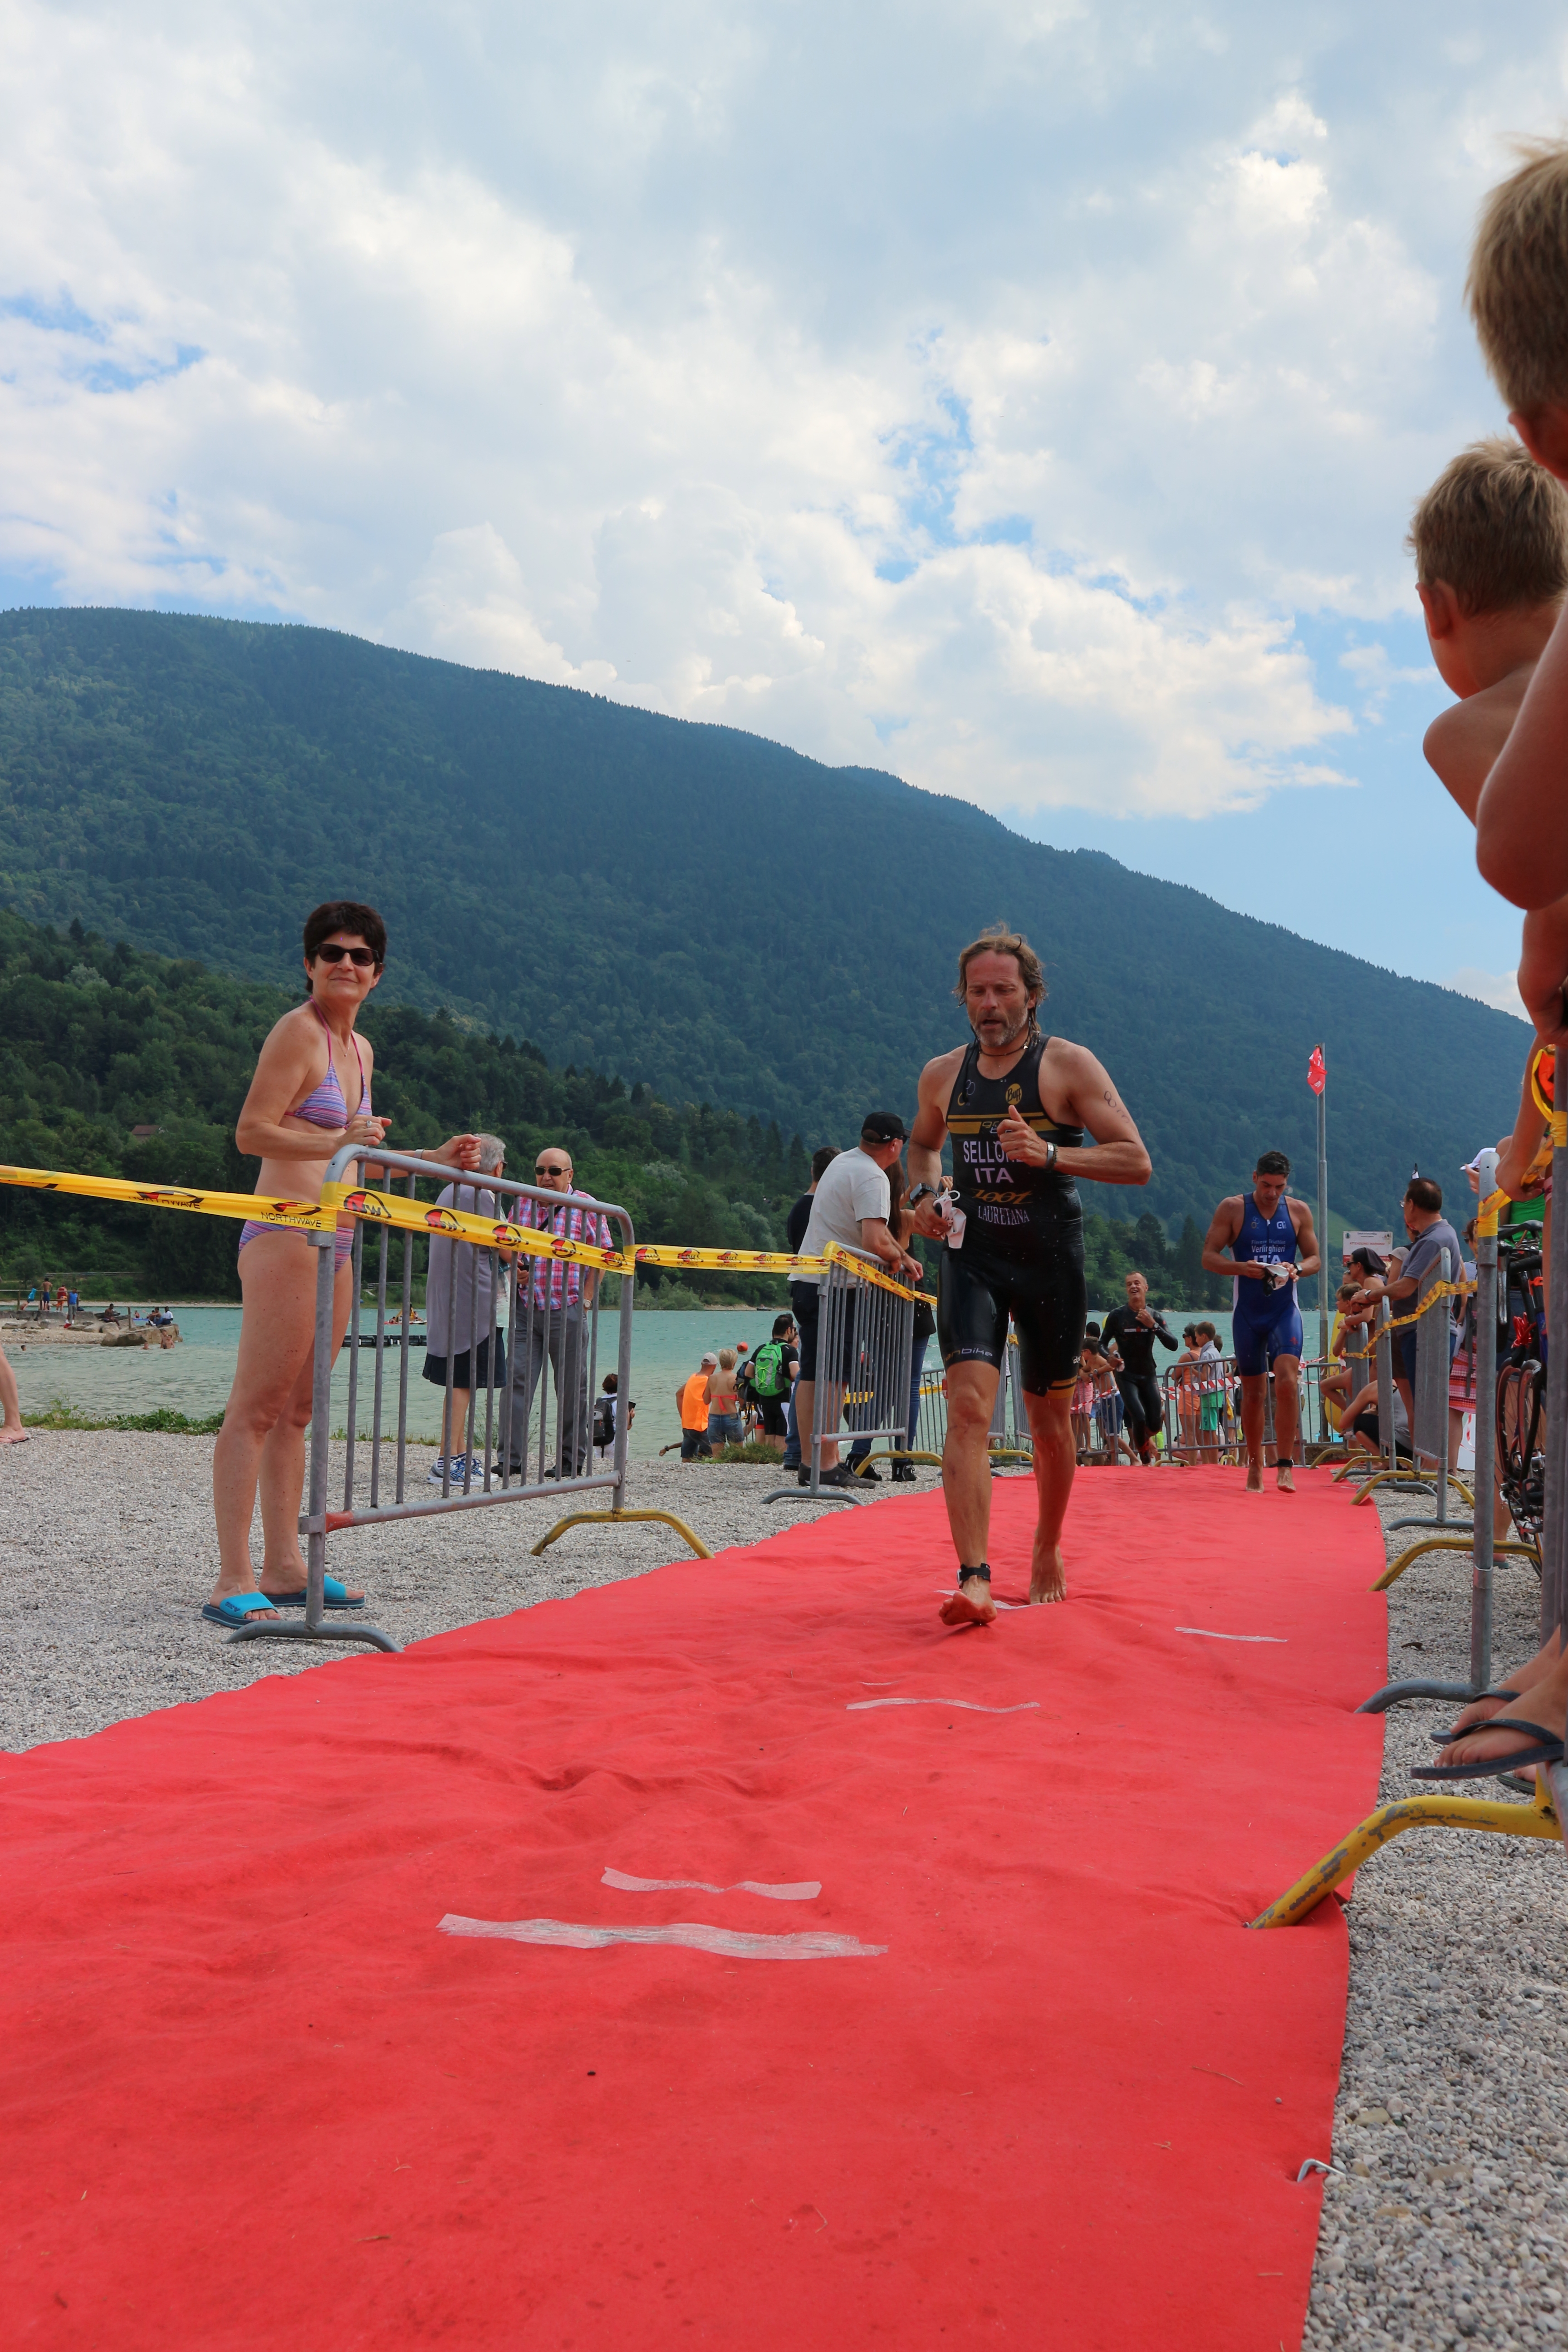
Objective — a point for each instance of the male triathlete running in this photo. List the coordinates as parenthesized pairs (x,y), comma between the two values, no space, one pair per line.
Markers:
(1016,1105)
(1271,1244)
(1133,1329)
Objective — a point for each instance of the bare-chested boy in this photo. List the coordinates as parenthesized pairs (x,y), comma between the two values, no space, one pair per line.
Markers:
(1504,753)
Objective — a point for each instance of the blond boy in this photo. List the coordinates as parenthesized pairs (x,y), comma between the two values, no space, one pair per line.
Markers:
(1518,292)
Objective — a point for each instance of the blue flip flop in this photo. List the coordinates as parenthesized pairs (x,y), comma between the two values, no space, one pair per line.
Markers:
(334,1595)
(1545,1748)
(236,1608)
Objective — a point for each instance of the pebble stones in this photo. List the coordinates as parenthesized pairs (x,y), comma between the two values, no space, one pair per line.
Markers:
(107,1552)
(1449,2224)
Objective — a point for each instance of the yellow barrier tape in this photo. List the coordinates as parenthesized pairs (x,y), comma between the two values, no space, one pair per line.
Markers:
(297,1217)
(835,1253)
(1400,1322)
(729,1261)
(489,1233)
(1487,1215)
(373,1207)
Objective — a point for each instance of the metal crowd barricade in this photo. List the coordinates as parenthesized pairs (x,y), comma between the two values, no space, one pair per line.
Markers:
(865,1347)
(551,1340)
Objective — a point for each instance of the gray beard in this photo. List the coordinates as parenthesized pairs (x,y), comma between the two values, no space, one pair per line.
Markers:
(1025,1026)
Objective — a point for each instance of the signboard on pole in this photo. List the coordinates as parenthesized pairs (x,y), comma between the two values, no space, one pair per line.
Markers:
(1381,1243)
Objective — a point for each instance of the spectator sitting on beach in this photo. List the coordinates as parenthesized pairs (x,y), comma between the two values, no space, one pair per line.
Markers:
(464,1313)
(723,1403)
(691,1403)
(110,1313)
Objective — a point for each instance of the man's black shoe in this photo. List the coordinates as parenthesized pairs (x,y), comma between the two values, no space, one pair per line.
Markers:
(803,1476)
(838,1476)
(904,1473)
(872,1477)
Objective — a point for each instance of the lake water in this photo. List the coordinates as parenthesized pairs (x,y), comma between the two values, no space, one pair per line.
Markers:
(194,1378)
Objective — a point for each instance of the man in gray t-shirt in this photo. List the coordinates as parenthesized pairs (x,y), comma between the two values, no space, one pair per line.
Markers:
(850,1206)
(1430,1232)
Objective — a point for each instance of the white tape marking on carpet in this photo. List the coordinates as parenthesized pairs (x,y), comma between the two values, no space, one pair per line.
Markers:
(802,1890)
(971,1705)
(1203,1631)
(725,1941)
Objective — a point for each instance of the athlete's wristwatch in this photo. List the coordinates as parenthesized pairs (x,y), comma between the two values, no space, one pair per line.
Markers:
(921,1192)
(1050,1155)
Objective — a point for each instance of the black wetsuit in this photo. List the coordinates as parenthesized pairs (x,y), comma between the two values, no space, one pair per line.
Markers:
(1138,1380)
(1022,1252)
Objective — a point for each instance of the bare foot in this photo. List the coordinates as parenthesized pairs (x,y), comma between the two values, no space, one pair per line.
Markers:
(15,1436)
(1286,1482)
(971,1605)
(1255,1477)
(1542,1700)
(1523,1680)
(1047,1579)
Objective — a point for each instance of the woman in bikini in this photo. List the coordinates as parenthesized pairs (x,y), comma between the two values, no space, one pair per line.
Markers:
(310,1094)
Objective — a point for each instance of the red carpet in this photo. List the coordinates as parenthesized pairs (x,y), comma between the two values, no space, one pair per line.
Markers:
(254,2096)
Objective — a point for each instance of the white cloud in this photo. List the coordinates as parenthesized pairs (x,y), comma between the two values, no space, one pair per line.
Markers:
(1499,989)
(980,391)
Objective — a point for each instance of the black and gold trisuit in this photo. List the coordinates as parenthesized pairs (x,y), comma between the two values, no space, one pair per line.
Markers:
(1022,1252)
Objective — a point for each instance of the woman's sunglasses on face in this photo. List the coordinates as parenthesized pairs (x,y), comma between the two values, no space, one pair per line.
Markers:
(362,958)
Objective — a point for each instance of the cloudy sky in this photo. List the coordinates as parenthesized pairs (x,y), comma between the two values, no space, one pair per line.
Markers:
(1023,396)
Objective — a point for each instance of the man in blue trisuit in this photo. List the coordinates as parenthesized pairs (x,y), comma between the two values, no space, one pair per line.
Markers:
(1272,1245)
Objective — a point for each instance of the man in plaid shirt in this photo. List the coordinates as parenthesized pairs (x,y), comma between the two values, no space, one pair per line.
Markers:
(553,1298)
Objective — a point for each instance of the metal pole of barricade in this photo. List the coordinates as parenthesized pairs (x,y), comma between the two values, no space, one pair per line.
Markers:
(314,1526)
(528,1216)
(1384,1357)
(1554,1526)
(1482,1581)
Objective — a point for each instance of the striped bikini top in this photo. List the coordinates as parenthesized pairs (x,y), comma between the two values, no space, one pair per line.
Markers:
(324,1105)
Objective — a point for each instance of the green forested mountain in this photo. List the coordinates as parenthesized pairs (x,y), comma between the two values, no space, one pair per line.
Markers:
(95,1041)
(699,911)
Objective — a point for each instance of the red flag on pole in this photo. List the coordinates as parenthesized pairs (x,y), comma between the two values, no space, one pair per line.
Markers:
(1317,1076)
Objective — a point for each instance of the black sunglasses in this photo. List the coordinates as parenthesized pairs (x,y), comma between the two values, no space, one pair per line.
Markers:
(362,958)
(550,1167)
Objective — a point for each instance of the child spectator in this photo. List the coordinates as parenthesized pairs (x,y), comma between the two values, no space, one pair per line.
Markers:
(1518,291)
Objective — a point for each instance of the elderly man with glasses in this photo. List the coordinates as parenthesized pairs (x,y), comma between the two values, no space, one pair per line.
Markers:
(553,1298)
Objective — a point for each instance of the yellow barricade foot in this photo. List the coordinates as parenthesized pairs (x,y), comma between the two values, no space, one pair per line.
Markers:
(592,1518)
(1538,1819)
(1396,1568)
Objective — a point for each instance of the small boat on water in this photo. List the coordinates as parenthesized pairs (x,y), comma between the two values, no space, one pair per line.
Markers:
(389,1340)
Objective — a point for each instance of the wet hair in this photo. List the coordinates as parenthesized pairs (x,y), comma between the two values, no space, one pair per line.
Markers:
(999,941)
(822,1160)
(1272,1163)
(1494,525)
(1424,1193)
(346,914)
(1517,284)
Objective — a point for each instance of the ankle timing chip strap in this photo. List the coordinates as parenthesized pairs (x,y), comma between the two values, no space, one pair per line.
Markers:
(983,1572)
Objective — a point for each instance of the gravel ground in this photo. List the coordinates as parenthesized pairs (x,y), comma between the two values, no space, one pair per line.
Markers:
(1449,2225)
(107,1552)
